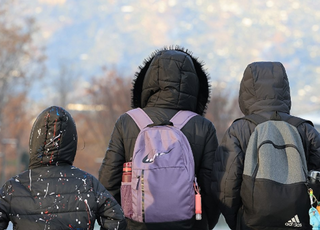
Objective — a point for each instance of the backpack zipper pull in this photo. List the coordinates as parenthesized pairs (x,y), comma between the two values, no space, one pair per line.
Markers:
(138,181)
(311,196)
(198,208)
(318,207)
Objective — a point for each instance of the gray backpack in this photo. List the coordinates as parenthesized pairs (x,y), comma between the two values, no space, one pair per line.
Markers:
(163,174)
(274,189)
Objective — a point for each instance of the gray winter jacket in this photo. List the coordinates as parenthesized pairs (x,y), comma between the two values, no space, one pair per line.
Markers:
(171,80)
(263,90)
(53,194)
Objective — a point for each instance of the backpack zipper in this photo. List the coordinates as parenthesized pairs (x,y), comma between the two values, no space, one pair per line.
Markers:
(142,195)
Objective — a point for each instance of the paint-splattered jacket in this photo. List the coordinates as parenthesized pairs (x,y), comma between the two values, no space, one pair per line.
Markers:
(53,194)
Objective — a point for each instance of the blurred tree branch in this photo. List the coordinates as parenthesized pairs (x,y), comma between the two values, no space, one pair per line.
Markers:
(21,64)
(21,61)
(109,95)
(222,110)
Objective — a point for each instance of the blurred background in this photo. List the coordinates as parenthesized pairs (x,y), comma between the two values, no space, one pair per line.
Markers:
(83,55)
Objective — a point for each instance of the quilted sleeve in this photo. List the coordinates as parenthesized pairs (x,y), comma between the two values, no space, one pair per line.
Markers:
(313,147)
(4,207)
(110,214)
(110,172)
(227,175)
(208,203)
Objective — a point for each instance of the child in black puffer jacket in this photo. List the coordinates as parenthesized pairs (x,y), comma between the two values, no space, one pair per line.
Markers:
(53,194)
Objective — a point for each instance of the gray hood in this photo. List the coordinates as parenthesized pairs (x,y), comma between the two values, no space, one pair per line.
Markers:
(263,88)
(173,79)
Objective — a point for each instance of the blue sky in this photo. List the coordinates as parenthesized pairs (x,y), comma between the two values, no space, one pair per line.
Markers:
(225,35)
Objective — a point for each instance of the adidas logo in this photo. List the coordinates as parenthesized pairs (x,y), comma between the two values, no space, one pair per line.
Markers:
(294,222)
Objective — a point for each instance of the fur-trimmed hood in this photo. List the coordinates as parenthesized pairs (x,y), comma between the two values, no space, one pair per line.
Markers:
(172,78)
(53,138)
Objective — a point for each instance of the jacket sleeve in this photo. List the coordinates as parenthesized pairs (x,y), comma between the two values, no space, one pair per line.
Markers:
(110,172)
(313,147)
(110,214)
(4,207)
(208,203)
(227,173)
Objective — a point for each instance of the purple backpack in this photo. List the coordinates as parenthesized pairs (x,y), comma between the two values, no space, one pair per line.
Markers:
(163,176)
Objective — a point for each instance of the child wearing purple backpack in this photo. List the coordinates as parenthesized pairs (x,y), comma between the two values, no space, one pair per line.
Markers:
(161,152)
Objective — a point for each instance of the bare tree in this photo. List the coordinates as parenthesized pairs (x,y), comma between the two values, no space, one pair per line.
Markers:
(66,78)
(222,110)
(21,63)
(108,95)
(17,126)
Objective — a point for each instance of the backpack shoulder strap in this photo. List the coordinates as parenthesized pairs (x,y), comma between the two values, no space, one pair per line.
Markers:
(140,117)
(258,119)
(296,121)
(182,117)
(254,118)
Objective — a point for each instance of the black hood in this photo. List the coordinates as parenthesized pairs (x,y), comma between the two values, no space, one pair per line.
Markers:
(263,88)
(172,78)
(53,138)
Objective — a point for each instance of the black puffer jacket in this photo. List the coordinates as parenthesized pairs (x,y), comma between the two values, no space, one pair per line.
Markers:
(263,90)
(53,194)
(171,80)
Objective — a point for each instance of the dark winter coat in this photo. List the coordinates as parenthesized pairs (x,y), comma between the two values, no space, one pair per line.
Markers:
(53,194)
(263,90)
(170,81)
